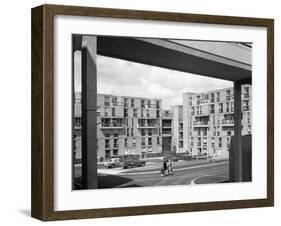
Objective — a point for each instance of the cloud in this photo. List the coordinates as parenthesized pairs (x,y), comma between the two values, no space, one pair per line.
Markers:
(124,78)
(119,77)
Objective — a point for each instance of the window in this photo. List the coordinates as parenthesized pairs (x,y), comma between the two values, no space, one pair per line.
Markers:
(157,104)
(213,142)
(143,141)
(113,112)
(158,140)
(149,132)
(107,153)
(115,151)
(106,101)
(147,113)
(132,103)
(149,141)
(134,142)
(135,113)
(143,132)
(142,113)
(115,143)
(132,132)
(125,112)
(126,142)
(148,104)
(125,102)
(142,103)
(157,114)
(218,97)
(106,111)
(114,101)
(220,144)
(107,135)
(107,143)
(128,132)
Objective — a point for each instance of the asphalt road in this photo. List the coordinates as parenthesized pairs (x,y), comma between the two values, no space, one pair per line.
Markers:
(215,173)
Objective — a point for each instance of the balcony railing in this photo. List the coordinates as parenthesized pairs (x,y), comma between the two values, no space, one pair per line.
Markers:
(228,122)
(146,125)
(112,126)
(246,95)
(200,123)
(166,133)
(246,108)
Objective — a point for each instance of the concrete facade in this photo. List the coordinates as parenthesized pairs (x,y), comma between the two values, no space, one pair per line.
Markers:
(209,120)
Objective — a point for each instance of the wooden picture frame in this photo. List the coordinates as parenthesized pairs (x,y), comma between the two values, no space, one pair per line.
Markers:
(42,205)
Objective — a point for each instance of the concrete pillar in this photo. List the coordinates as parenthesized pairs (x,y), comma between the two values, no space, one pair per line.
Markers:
(89,121)
(237,144)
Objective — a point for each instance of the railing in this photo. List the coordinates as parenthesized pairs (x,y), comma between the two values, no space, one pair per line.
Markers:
(246,95)
(166,133)
(200,123)
(112,126)
(146,125)
(228,122)
(246,108)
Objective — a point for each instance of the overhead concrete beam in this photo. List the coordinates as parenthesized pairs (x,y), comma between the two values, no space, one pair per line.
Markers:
(166,54)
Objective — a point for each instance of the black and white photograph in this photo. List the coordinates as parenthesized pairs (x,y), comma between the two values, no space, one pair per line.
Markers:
(160,112)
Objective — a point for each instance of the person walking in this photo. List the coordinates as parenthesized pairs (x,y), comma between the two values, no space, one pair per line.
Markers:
(164,169)
(170,167)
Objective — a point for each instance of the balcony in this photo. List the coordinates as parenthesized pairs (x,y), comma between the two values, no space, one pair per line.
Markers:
(246,108)
(204,101)
(246,95)
(201,123)
(227,122)
(166,125)
(146,126)
(112,126)
(166,133)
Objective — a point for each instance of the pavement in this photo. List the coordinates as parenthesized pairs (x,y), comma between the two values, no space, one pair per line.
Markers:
(191,172)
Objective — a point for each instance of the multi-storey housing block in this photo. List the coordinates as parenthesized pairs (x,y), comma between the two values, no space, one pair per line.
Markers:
(128,125)
(167,131)
(208,120)
(177,141)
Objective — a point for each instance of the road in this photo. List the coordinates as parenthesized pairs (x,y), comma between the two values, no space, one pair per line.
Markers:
(214,173)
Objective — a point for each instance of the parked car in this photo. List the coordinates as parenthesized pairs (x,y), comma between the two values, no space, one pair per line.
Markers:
(133,162)
(114,162)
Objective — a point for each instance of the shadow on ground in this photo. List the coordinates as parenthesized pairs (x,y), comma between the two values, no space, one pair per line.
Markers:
(105,181)
(111,181)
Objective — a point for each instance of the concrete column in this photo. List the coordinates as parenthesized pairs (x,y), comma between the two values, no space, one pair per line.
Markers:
(89,121)
(237,144)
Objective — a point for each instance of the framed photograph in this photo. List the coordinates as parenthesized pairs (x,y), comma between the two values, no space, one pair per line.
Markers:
(141,112)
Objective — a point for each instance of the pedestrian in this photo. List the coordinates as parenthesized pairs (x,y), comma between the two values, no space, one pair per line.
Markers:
(170,167)
(164,169)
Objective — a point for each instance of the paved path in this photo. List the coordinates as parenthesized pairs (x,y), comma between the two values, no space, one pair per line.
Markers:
(188,175)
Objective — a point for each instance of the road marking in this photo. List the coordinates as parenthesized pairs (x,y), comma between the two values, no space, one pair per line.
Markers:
(196,178)
(158,171)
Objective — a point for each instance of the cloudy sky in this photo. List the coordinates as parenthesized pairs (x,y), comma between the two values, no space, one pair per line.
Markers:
(124,78)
